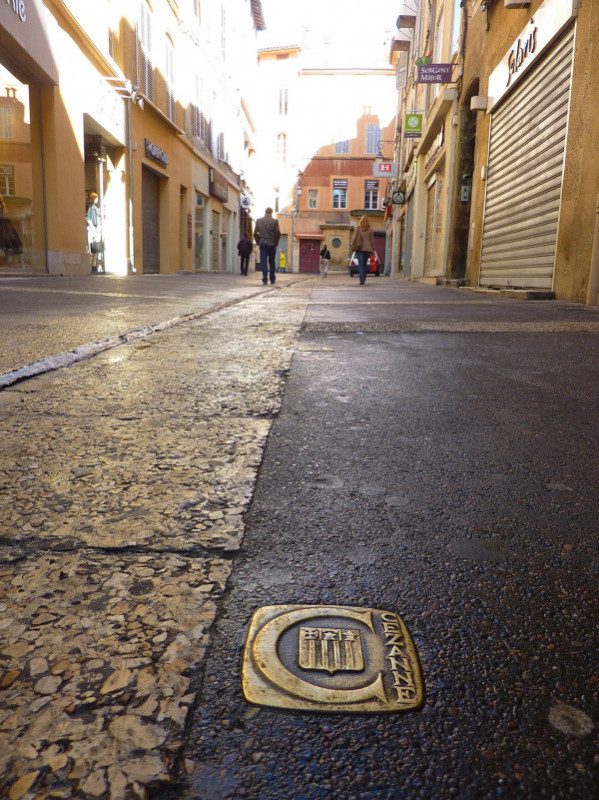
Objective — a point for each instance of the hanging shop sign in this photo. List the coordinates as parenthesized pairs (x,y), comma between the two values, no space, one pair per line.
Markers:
(412,128)
(548,21)
(383,169)
(154,153)
(217,185)
(245,201)
(398,197)
(434,73)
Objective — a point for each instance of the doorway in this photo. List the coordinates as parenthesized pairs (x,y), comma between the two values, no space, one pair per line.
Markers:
(150,221)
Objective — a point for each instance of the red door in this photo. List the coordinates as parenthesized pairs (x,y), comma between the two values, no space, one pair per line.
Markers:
(379,246)
(309,255)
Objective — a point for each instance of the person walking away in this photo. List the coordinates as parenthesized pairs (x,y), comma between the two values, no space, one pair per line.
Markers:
(267,235)
(325,257)
(244,248)
(363,245)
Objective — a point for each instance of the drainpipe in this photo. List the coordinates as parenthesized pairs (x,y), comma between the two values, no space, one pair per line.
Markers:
(130,233)
(594,271)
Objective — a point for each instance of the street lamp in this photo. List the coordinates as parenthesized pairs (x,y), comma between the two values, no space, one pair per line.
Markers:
(297,191)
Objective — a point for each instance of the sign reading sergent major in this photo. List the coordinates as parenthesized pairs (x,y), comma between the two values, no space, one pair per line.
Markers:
(434,73)
(331,658)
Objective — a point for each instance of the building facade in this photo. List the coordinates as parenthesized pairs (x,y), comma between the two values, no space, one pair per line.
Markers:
(339,185)
(314,130)
(501,182)
(124,134)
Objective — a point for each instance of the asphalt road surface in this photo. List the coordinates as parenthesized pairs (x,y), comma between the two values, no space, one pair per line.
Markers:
(435,455)
(421,450)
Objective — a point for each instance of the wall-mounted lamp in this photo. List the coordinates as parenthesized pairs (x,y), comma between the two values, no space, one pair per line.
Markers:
(479,103)
(406,18)
(401,42)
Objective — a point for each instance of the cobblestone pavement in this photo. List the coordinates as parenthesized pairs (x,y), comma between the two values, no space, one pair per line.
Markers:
(124,481)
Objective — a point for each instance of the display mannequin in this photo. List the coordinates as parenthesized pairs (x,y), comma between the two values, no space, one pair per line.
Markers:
(94,232)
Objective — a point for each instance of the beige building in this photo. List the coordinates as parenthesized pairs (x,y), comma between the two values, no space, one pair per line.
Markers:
(530,78)
(426,56)
(124,129)
(315,120)
(502,182)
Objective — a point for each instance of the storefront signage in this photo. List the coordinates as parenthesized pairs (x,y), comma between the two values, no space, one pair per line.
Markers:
(434,73)
(218,186)
(547,22)
(383,169)
(525,47)
(412,128)
(18,6)
(154,153)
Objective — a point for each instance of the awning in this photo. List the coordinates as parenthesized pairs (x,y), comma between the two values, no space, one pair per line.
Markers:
(309,236)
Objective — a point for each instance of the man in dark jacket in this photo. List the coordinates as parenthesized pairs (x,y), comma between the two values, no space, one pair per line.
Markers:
(267,235)
(244,248)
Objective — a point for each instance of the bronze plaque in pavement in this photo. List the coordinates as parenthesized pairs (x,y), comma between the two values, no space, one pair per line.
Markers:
(331,658)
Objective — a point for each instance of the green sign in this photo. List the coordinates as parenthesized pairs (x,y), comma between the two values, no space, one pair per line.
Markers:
(412,128)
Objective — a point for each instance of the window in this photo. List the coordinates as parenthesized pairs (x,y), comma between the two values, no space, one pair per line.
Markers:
(223,35)
(437,50)
(371,195)
(342,148)
(171,110)
(339,194)
(373,138)
(7,180)
(220,147)
(282,147)
(147,66)
(456,26)
(312,198)
(283,99)
(6,118)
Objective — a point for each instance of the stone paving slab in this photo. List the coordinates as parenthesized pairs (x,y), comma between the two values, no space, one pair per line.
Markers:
(124,481)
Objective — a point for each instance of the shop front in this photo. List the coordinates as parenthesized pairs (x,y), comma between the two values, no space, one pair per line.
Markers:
(530,90)
(27,64)
(62,146)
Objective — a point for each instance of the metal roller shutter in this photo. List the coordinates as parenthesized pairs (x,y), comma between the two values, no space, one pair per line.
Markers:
(150,209)
(215,243)
(429,241)
(524,181)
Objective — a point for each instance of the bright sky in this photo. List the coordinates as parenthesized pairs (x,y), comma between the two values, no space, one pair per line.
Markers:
(333,33)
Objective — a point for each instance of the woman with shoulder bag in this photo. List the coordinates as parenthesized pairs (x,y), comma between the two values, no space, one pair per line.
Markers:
(363,245)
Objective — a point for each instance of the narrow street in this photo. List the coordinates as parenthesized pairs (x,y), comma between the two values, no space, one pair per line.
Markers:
(419,449)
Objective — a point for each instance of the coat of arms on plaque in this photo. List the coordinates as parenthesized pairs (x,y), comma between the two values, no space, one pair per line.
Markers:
(330,649)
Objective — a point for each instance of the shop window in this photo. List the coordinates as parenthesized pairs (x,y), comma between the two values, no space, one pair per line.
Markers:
(312,198)
(22,236)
